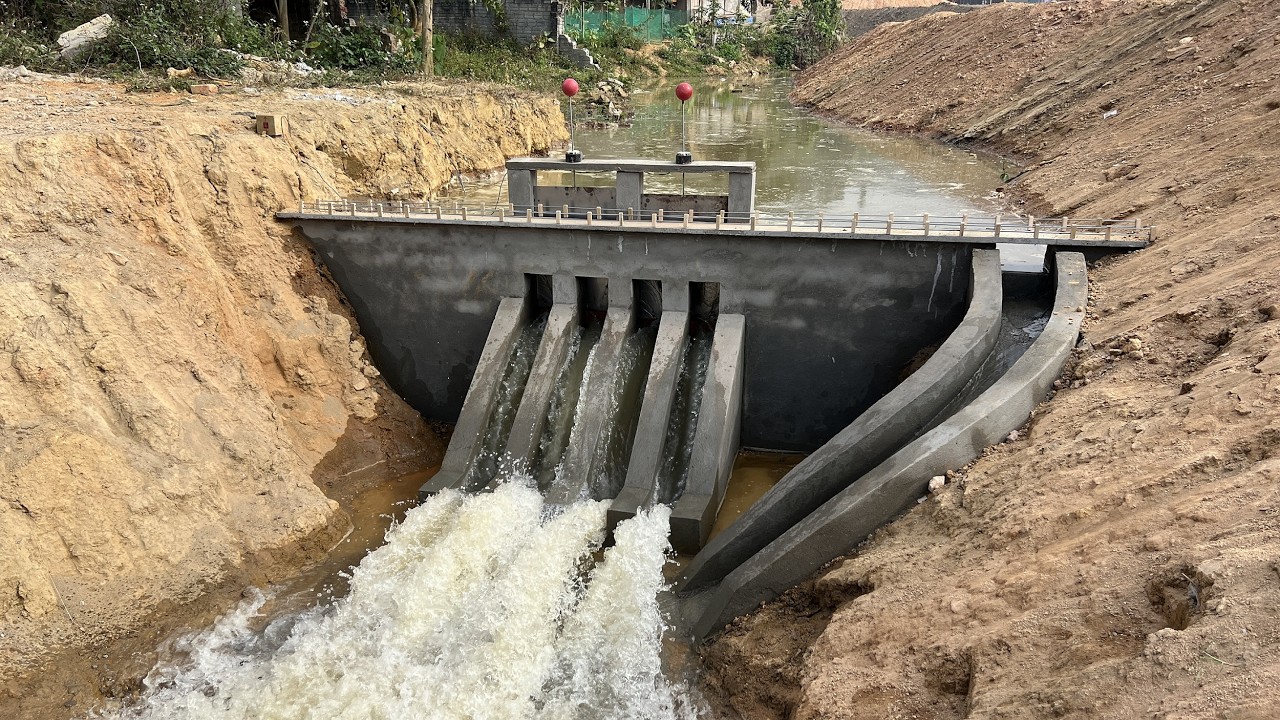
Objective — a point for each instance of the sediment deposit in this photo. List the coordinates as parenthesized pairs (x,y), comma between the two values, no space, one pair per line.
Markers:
(1118,556)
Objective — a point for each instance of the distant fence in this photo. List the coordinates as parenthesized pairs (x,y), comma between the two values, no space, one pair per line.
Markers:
(651,24)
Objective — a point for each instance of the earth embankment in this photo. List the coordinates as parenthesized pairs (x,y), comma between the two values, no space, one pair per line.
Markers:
(1118,556)
(183,395)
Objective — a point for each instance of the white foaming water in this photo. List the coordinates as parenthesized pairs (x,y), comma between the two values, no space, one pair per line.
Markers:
(478,606)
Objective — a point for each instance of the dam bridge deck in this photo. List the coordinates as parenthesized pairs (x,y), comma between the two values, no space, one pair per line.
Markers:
(1061,232)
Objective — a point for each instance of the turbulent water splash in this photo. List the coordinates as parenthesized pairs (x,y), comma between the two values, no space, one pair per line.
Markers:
(478,606)
(488,462)
(624,412)
(566,404)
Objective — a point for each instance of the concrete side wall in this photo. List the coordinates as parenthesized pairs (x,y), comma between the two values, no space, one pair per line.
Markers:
(579,199)
(647,453)
(716,439)
(510,318)
(893,486)
(582,199)
(831,322)
(531,417)
(889,424)
(673,207)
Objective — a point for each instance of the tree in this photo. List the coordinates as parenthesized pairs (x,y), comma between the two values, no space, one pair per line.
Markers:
(425,21)
(282,17)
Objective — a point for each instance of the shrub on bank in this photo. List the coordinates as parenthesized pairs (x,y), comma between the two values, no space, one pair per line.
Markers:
(205,36)
(216,38)
(795,37)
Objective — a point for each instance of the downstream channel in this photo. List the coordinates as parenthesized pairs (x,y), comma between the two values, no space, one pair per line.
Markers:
(495,604)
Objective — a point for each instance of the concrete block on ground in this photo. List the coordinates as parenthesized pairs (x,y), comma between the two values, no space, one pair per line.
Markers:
(715,440)
(272,125)
(510,319)
(77,41)
(204,89)
(894,486)
(886,426)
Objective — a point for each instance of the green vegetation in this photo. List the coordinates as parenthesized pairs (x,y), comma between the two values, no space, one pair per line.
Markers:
(801,34)
(501,60)
(208,37)
(796,37)
(217,39)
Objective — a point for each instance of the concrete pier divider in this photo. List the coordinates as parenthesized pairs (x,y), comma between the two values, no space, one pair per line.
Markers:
(894,485)
(588,440)
(649,447)
(531,417)
(715,440)
(894,420)
(510,319)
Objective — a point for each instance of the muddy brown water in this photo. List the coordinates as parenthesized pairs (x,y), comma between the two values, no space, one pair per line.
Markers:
(804,164)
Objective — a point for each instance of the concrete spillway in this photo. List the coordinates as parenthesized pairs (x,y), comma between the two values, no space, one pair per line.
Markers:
(603,421)
(630,364)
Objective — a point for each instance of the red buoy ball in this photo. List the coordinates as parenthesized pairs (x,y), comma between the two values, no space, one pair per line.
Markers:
(570,87)
(684,91)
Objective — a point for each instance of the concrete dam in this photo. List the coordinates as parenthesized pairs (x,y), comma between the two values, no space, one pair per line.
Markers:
(618,345)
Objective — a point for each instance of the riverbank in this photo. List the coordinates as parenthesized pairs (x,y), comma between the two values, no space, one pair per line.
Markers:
(187,403)
(1117,557)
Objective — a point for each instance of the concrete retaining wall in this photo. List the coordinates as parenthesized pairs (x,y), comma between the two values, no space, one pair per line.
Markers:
(831,322)
(892,487)
(895,420)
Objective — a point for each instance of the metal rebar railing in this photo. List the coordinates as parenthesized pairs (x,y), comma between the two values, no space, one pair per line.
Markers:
(986,227)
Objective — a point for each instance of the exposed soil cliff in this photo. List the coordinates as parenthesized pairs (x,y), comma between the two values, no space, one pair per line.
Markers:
(179,385)
(1118,557)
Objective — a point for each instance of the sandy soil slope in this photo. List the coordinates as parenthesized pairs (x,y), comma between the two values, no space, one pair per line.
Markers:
(181,391)
(1118,557)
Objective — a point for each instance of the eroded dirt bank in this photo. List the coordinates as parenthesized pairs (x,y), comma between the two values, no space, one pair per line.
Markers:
(1117,558)
(182,395)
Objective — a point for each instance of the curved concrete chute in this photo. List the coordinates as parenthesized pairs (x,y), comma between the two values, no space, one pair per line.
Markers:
(895,419)
(893,486)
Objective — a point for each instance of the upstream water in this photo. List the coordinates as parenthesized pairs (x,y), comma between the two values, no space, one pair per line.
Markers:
(804,164)
(495,605)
